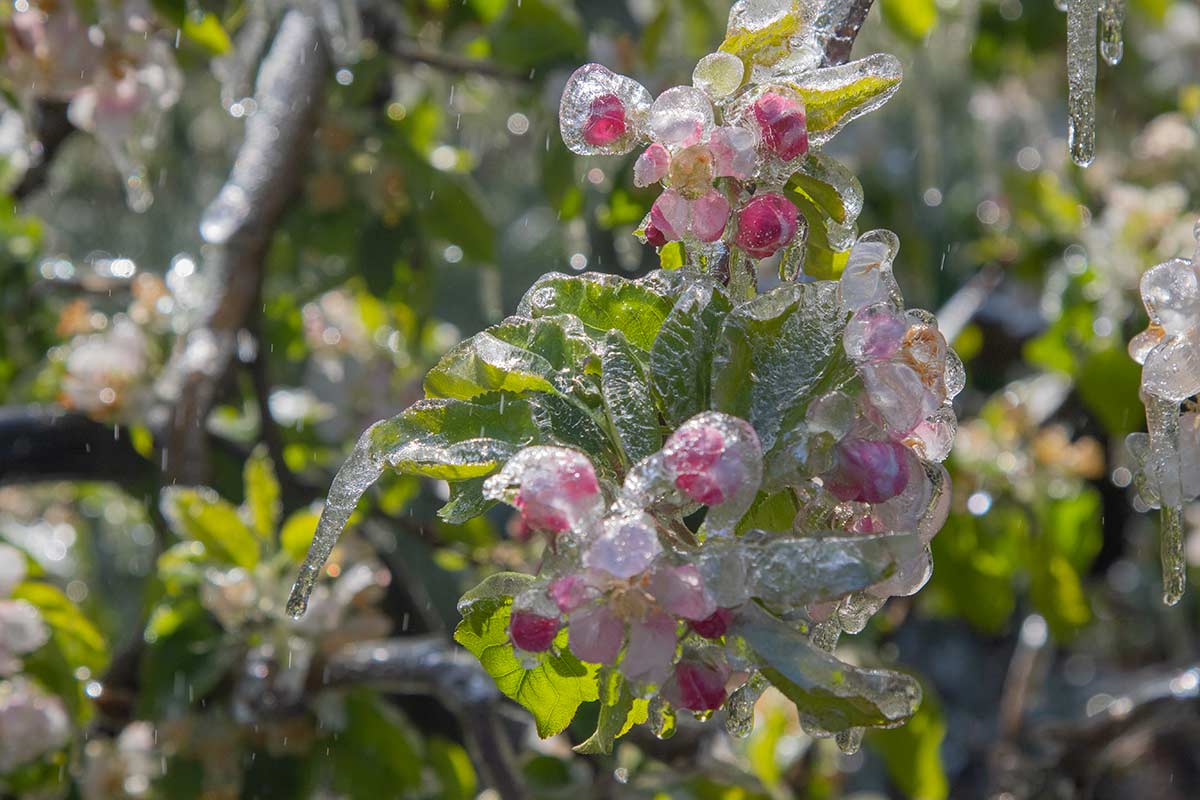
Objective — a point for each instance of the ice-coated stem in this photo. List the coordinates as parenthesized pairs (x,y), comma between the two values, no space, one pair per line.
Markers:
(362,468)
(1162,422)
(1081,79)
(1112,17)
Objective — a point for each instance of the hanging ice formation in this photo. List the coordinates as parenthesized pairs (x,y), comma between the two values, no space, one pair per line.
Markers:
(1084,19)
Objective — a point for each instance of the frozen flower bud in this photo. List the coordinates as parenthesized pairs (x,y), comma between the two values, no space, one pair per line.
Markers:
(532,632)
(733,149)
(680,591)
(868,471)
(569,592)
(605,122)
(653,235)
(650,650)
(554,488)
(867,277)
(715,459)
(1170,348)
(681,117)
(719,74)
(714,625)
(692,171)
(874,333)
(704,218)
(627,547)
(595,634)
(697,685)
(652,165)
(782,123)
(601,112)
(766,224)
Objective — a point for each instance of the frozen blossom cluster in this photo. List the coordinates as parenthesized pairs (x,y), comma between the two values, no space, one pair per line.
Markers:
(721,480)
(1168,455)
(33,722)
(108,62)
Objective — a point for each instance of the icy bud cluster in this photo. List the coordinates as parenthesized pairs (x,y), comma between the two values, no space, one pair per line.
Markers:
(1168,455)
(723,480)
(732,150)
(118,76)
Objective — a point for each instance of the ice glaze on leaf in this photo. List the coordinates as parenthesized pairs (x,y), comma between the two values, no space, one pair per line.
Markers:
(682,354)
(627,399)
(828,693)
(619,711)
(491,593)
(552,691)
(773,352)
(602,303)
(201,515)
(835,96)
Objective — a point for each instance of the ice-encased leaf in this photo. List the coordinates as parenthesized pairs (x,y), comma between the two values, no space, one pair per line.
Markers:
(835,96)
(517,355)
(764,33)
(619,711)
(561,420)
(263,506)
(601,112)
(439,438)
(776,353)
(795,572)
(829,694)
(682,354)
(827,187)
(492,592)
(627,398)
(602,303)
(552,691)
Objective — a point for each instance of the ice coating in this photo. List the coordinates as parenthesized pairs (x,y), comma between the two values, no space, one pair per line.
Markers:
(1081,79)
(1112,18)
(719,74)
(555,489)
(601,112)
(362,468)
(1162,422)
(715,459)
(680,117)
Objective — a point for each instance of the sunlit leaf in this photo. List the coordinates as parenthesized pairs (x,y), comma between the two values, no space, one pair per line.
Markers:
(201,515)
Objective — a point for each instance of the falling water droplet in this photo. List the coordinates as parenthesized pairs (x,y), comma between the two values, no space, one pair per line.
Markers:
(1112,18)
(849,741)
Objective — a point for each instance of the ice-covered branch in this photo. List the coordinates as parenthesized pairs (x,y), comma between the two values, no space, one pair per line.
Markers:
(237,228)
(433,666)
(44,443)
(840,22)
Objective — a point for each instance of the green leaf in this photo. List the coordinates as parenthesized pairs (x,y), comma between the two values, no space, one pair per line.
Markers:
(766,45)
(201,515)
(375,755)
(297,532)
(670,255)
(263,505)
(466,502)
(491,593)
(563,422)
(910,19)
(835,96)
(828,693)
(829,186)
(682,354)
(1057,592)
(619,711)
(456,213)
(627,399)
(602,303)
(453,767)
(206,30)
(454,439)
(776,353)
(517,355)
(912,753)
(552,691)
(183,661)
(1108,383)
(977,559)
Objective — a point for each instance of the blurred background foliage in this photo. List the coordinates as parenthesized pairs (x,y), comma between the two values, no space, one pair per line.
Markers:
(436,191)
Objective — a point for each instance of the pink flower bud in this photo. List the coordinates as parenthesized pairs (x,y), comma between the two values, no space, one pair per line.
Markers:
(652,165)
(606,121)
(532,632)
(868,471)
(691,455)
(569,592)
(653,235)
(765,224)
(782,122)
(557,488)
(700,687)
(714,625)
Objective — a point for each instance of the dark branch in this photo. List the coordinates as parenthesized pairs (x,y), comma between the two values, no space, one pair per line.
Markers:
(238,227)
(52,128)
(842,19)
(48,444)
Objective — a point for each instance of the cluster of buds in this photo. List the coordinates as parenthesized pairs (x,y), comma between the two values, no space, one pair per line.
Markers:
(118,78)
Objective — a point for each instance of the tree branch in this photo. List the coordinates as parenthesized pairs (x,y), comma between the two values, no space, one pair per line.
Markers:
(52,129)
(433,666)
(40,443)
(842,20)
(238,227)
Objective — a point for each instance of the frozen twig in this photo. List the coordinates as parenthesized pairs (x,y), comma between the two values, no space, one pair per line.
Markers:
(237,228)
(430,665)
(841,21)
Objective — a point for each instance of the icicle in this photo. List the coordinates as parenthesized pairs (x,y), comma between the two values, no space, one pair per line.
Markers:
(361,469)
(1162,421)
(1112,17)
(1081,79)
(849,740)
(661,718)
(739,710)
(1061,5)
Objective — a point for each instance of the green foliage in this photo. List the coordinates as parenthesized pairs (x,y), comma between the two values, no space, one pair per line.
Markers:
(619,711)
(912,752)
(200,515)
(911,19)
